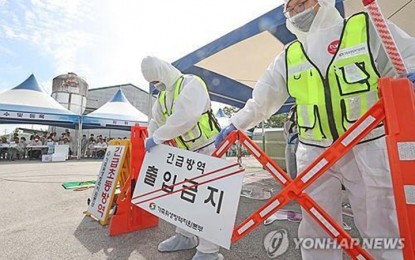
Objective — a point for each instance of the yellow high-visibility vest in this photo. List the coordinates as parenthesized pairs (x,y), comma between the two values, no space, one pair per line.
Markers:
(205,130)
(328,105)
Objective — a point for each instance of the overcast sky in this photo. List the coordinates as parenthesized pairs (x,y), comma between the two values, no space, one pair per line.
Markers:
(103,41)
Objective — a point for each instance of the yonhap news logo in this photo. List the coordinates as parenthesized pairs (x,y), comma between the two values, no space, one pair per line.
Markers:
(276,243)
(377,243)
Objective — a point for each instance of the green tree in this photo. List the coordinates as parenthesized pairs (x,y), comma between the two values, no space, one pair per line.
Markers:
(276,121)
(273,121)
(230,111)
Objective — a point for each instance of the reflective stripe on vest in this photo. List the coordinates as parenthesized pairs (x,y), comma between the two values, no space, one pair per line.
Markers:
(328,106)
(206,128)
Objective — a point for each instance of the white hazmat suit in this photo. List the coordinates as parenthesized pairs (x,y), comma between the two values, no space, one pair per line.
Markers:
(364,171)
(191,103)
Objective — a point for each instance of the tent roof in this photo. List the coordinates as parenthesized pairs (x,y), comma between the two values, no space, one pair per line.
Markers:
(119,97)
(232,64)
(29,84)
(220,113)
(117,113)
(223,120)
(28,103)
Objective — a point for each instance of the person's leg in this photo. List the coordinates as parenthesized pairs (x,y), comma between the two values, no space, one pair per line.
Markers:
(19,154)
(371,196)
(207,250)
(39,154)
(204,245)
(13,154)
(290,160)
(326,192)
(16,154)
(186,240)
(182,240)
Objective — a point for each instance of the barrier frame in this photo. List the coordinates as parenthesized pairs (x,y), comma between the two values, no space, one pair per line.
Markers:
(128,217)
(396,95)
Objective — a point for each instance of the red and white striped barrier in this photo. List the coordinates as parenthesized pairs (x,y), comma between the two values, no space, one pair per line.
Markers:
(384,33)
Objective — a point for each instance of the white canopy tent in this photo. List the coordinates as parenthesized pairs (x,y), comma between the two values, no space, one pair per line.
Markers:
(27,103)
(223,120)
(232,64)
(117,113)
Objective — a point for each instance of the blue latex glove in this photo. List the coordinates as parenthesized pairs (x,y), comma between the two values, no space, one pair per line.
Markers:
(223,134)
(150,144)
(411,77)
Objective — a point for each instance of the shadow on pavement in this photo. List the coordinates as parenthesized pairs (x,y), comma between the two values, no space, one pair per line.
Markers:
(95,238)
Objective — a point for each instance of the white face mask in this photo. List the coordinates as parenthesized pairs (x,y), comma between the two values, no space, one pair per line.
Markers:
(160,86)
(304,19)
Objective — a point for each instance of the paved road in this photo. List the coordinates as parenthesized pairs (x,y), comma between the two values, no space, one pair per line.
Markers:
(41,220)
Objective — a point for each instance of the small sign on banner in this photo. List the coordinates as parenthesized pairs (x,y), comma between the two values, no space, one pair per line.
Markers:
(193,191)
(103,194)
(25,115)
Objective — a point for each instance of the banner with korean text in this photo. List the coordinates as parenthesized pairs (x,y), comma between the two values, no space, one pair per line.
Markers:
(193,191)
(18,115)
(103,194)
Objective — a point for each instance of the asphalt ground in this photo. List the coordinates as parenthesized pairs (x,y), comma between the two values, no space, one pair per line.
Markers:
(41,220)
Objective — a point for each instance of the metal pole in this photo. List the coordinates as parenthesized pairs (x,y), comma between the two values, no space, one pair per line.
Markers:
(263,136)
(79,148)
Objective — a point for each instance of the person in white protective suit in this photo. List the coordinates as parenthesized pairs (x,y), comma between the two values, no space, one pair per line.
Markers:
(332,73)
(183,114)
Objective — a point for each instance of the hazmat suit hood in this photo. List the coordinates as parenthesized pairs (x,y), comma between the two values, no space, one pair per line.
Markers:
(326,17)
(154,69)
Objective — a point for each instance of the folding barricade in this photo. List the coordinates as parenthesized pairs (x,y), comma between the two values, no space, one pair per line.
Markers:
(397,96)
(107,196)
(128,217)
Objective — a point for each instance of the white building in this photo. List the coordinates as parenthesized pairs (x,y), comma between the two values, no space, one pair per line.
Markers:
(97,97)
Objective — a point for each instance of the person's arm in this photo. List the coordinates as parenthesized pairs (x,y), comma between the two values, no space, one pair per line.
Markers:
(406,46)
(268,96)
(157,119)
(192,102)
